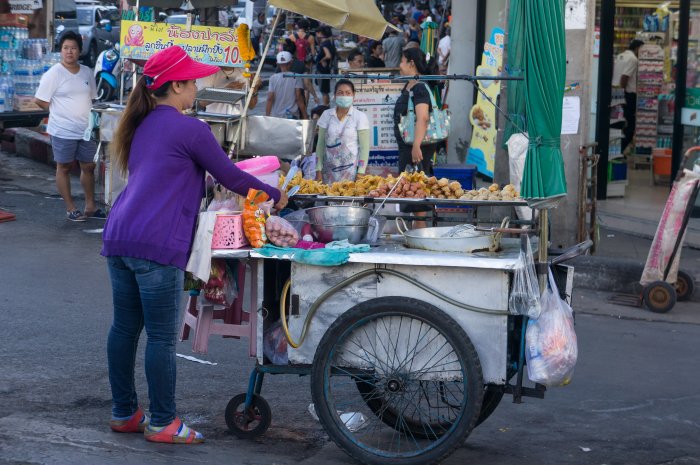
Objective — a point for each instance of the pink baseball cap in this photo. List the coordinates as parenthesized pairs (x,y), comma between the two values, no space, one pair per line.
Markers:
(174,64)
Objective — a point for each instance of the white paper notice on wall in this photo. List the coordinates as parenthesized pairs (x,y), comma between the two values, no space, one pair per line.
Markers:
(570,115)
(24,6)
(575,14)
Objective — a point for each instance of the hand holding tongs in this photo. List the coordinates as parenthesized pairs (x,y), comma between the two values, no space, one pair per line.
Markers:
(290,175)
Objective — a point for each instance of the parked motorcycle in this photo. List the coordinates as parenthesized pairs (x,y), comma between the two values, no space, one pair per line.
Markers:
(107,73)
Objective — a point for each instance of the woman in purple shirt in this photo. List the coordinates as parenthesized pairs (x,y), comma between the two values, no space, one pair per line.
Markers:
(149,234)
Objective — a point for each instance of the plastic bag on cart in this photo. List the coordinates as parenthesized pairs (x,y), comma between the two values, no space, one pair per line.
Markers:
(525,296)
(220,289)
(224,200)
(275,344)
(281,232)
(551,346)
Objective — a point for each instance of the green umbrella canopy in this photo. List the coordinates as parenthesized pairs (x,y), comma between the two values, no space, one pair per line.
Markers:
(515,68)
(544,181)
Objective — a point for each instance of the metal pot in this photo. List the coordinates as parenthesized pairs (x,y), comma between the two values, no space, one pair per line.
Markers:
(339,222)
(435,239)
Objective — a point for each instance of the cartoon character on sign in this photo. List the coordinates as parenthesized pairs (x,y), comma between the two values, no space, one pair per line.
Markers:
(134,36)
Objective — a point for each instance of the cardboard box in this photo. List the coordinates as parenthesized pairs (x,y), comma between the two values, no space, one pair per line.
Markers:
(25,103)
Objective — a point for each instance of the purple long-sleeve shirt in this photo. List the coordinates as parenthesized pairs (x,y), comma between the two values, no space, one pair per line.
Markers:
(155,215)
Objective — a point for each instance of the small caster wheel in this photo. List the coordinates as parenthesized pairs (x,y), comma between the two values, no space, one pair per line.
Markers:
(684,286)
(251,423)
(659,297)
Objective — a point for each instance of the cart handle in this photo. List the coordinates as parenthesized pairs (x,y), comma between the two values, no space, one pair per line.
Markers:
(504,230)
(572,252)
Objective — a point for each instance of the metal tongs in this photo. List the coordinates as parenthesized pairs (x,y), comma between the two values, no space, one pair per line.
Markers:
(290,175)
(461,230)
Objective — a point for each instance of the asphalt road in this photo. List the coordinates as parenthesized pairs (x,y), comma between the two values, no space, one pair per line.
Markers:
(633,400)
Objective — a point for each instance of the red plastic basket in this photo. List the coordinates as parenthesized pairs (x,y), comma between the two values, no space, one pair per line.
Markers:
(228,232)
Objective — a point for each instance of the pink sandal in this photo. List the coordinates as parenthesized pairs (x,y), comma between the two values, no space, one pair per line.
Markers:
(136,424)
(175,433)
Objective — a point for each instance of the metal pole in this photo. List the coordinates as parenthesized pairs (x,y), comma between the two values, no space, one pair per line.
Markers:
(605,74)
(396,77)
(256,78)
(542,249)
(681,72)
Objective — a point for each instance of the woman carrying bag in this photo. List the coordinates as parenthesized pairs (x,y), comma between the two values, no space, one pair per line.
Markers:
(342,150)
(416,155)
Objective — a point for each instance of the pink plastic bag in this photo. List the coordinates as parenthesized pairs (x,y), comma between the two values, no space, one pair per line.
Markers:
(281,232)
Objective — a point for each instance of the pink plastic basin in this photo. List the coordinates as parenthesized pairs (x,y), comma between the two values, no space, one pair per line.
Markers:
(260,165)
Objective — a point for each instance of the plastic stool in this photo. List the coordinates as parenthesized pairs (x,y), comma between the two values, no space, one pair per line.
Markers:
(236,322)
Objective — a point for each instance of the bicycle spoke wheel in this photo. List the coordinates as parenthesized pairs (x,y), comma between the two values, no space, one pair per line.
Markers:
(397,379)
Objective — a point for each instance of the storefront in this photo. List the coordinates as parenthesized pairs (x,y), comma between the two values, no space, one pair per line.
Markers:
(668,96)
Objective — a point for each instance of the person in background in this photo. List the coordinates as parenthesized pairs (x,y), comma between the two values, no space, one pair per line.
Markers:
(376,51)
(356,60)
(223,19)
(414,31)
(307,165)
(257,31)
(342,150)
(299,67)
(304,42)
(325,60)
(393,45)
(285,98)
(625,76)
(444,48)
(149,233)
(415,155)
(66,90)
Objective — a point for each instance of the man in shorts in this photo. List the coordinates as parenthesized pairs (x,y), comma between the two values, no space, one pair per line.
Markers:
(67,90)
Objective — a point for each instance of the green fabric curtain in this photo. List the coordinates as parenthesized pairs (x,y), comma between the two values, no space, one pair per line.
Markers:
(545,73)
(515,67)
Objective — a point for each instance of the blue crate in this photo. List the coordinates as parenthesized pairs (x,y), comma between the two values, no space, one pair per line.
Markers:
(465,174)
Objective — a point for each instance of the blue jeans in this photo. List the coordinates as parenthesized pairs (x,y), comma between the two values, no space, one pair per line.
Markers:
(145,293)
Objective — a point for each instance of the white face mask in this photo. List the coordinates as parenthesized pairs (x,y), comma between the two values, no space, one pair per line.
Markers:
(343,101)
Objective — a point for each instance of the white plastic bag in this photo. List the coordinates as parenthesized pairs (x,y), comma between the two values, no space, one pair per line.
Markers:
(551,347)
(525,296)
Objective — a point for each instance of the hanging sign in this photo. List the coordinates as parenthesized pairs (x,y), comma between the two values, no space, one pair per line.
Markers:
(210,45)
(25,6)
(377,101)
(482,150)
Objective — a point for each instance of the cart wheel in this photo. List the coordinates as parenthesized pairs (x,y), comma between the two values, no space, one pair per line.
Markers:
(685,286)
(659,297)
(250,424)
(396,380)
(489,404)
(369,391)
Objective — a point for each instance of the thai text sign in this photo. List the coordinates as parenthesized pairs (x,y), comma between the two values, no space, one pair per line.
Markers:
(211,45)
(377,101)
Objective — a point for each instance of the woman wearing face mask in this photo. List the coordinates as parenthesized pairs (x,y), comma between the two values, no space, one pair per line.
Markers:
(343,138)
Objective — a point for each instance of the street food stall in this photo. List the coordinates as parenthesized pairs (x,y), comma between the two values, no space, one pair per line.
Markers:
(410,340)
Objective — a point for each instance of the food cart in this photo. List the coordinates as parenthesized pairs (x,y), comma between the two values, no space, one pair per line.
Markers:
(407,350)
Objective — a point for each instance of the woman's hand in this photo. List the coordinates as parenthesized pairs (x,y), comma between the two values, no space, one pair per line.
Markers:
(416,154)
(319,176)
(282,202)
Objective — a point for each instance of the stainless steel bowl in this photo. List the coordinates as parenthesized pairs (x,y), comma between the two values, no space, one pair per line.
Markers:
(339,222)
